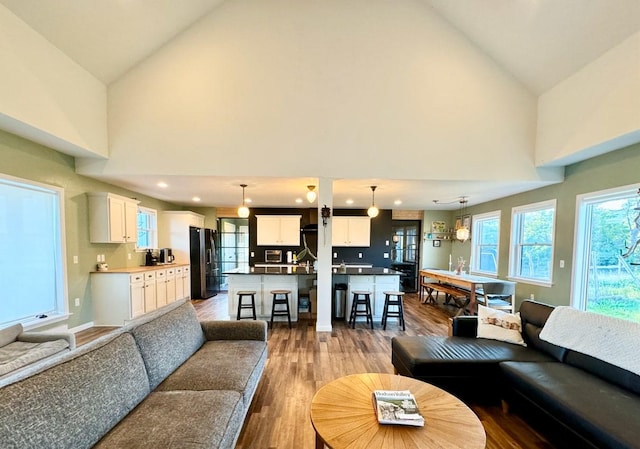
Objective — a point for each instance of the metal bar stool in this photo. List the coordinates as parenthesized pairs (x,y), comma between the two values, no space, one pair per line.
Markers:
(280,297)
(361,297)
(398,313)
(242,305)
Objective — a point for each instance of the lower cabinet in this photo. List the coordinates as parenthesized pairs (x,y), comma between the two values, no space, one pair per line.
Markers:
(262,285)
(377,285)
(119,296)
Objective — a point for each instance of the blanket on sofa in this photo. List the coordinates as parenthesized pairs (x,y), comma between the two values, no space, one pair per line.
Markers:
(609,339)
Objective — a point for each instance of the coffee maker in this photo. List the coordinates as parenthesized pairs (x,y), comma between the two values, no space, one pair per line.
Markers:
(166,255)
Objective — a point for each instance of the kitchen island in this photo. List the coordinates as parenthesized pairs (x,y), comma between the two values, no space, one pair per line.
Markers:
(301,279)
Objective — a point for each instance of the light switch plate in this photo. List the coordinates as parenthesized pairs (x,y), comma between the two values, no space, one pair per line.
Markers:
(335,255)
(359,255)
(385,255)
(75,259)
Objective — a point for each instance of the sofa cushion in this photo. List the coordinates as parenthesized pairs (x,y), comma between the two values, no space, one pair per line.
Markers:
(598,411)
(221,365)
(19,353)
(619,376)
(180,420)
(74,402)
(534,315)
(9,334)
(167,338)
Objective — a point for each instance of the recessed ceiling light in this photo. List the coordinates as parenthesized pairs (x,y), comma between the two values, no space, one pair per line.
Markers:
(162,185)
(397,202)
(247,200)
(196,199)
(349,201)
(298,200)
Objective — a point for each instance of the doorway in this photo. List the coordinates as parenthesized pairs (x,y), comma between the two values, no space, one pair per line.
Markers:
(234,247)
(405,253)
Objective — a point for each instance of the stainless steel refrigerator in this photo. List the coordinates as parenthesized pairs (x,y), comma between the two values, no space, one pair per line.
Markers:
(205,266)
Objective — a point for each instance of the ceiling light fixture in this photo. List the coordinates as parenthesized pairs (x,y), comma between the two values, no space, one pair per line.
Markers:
(162,185)
(462,233)
(243,210)
(373,210)
(311,194)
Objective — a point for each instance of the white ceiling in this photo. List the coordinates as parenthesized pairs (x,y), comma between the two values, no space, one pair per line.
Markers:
(540,42)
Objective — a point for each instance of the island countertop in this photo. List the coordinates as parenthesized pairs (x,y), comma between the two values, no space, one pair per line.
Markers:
(302,270)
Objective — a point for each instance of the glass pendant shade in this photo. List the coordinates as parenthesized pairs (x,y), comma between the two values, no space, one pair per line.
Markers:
(462,234)
(311,194)
(243,210)
(373,210)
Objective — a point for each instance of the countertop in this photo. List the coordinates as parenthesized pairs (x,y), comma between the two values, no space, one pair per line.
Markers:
(143,268)
(300,270)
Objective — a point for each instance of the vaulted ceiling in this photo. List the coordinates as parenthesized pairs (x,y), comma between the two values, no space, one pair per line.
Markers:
(538,43)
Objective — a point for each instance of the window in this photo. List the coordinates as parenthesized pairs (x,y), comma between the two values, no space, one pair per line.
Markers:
(532,238)
(32,244)
(147,229)
(484,245)
(607,253)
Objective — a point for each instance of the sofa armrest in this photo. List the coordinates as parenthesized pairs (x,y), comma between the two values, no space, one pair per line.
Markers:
(465,326)
(235,330)
(41,337)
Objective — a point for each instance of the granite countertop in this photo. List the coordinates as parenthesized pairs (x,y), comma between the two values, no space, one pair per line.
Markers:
(301,270)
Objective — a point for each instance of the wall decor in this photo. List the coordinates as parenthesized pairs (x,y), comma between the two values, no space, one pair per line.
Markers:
(438,226)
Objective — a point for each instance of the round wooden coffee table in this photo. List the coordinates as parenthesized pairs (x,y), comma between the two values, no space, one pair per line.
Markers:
(343,417)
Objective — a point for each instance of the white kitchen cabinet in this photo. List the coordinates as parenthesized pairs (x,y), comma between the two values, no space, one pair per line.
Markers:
(112,218)
(121,295)
(179,283)
(351,231)
(173,232)
(161,288)
(278,230)
(150,291)
(170,283)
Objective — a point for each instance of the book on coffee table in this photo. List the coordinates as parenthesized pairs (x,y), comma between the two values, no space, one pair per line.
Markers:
(397,407)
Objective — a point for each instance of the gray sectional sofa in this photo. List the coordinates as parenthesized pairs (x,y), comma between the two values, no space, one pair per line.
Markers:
(163,381)
(581,397)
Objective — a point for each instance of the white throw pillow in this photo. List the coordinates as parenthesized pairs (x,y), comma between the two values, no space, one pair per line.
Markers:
(498,325)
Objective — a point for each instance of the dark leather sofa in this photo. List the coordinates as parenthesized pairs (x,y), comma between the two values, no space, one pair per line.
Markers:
(596,403)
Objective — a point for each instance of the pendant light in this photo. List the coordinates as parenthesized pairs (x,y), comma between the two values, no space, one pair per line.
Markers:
(311,194)
(243,210)
(462,233)
(373,210)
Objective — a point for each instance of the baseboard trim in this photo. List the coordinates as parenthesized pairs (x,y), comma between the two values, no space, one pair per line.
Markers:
(82,327)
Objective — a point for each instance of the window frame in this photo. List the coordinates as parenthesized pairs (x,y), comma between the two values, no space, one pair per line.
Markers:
(582,245)
(60,310)
(515,245)
(153,214)
(476,245)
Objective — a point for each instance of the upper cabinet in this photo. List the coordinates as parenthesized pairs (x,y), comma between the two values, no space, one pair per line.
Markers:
(112,218)
(278,230)
(351,231)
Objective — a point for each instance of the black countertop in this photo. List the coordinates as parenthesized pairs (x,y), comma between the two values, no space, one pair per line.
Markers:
(300,270)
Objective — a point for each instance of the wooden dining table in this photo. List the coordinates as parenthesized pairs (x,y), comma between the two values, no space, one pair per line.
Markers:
(469,282)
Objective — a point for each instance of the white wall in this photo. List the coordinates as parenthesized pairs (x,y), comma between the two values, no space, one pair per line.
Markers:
(321,88)
(45,96)
(595,110)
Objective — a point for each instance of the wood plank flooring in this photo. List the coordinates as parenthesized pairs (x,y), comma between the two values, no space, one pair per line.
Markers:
(301,361)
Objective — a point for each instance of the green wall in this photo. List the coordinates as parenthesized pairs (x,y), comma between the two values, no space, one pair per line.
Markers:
(25,159)
(618,168)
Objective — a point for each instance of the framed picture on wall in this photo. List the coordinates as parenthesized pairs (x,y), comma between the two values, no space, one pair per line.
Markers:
(436,243)
(466,221)
(438,226)
(458,223)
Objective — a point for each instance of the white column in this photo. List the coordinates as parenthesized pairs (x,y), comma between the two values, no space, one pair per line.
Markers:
(325,282)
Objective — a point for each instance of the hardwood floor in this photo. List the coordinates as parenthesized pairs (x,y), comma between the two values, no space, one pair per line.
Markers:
(301,361)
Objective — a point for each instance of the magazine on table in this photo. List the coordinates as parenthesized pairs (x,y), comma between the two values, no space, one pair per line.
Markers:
(397,407)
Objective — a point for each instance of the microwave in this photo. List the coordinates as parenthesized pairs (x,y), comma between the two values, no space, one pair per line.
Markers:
(273,256)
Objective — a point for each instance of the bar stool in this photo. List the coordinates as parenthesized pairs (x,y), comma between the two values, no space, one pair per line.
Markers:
(361,297)
(242,305)
(399,312)
(280,297)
